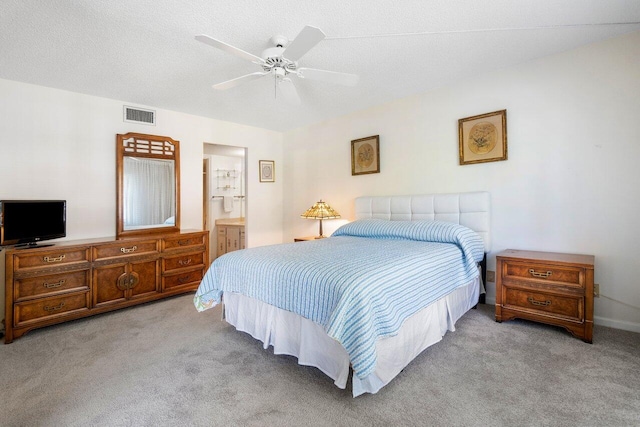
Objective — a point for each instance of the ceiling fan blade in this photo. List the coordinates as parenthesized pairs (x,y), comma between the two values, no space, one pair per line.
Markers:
(238,80)
(328,76)
(307,39)
(229,49)
(288,91)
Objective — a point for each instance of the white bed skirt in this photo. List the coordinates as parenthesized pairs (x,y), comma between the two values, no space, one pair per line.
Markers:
(297,336)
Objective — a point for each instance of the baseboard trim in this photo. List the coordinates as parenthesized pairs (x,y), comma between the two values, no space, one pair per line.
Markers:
(617,324)
(597,320)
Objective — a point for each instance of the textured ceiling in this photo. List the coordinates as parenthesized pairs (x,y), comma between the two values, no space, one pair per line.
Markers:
(143,52)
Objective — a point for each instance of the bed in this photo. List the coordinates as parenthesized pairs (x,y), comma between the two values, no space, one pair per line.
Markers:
(368,299)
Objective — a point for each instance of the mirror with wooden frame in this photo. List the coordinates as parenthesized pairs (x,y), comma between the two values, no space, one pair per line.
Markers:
(147,185)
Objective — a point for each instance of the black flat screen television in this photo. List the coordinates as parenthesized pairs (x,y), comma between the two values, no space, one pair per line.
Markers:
(30,221)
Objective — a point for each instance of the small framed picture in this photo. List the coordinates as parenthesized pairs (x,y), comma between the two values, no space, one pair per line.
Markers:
(483,138)
(365,155)
(267,171)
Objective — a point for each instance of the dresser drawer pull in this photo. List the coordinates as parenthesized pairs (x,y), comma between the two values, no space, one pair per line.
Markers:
(183,279)
(539,303)
(129,250)
(57,307)
(184,262)
(134,279)
(54,285)
(122,282)
(56,259)
(538,274)
(184,242)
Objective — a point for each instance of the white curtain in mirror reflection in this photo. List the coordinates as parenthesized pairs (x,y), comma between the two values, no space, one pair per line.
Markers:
(149,193)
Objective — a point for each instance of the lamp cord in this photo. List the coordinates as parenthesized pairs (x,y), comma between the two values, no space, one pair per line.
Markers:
(619,302)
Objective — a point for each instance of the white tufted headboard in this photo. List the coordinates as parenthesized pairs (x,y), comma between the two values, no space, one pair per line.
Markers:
(468,209)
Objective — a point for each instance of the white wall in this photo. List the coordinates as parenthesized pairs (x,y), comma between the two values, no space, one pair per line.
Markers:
(569,184)
(61,145)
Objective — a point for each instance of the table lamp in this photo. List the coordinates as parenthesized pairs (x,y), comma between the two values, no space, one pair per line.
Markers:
(320,210)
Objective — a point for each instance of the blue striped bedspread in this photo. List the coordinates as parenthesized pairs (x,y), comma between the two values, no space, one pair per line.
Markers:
(361,284)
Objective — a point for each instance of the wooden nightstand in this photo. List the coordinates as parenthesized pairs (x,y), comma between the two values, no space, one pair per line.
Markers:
(552,288)
(304,239)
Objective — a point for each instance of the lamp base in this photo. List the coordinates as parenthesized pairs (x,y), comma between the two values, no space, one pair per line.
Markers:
(321,237)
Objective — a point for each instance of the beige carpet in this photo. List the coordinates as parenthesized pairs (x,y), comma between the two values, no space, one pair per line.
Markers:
(166,364)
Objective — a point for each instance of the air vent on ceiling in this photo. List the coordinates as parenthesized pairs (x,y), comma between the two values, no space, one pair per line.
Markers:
(139,115)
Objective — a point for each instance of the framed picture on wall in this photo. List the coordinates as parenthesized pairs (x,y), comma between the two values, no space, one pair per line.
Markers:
(267,170)
(365,155)
(483,138)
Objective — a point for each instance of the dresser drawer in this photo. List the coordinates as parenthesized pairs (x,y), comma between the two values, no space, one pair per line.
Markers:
(125,248)
(543,273)
(188,260)
(38,286)
(184,241)
(51,258)
(565,306)
(43,309)
(181,280)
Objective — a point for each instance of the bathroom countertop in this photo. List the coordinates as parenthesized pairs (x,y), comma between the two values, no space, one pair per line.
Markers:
(230,221)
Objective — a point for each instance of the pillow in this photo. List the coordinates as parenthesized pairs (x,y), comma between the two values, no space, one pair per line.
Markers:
(427,231)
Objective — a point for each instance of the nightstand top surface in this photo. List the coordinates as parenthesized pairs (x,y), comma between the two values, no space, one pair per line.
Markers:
(564,258)
(304,239)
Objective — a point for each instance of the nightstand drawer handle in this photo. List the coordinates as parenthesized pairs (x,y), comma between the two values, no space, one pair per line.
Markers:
(57,307)
(54,285)
(537,274)
(128,250)
(55,259)
(541,303)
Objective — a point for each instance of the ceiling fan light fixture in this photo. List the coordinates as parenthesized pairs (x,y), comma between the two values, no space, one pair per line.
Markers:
(272,53)
(281,60)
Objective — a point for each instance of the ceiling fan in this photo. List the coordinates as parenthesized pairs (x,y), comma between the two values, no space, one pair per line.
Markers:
(281,62)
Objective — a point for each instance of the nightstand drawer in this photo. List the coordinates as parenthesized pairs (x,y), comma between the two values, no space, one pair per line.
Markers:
(565,276)
(539,302)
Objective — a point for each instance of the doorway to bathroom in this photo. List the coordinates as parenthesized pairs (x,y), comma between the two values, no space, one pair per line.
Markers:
(224,197)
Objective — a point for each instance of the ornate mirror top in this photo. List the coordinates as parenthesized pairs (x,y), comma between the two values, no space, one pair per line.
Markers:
(148,184)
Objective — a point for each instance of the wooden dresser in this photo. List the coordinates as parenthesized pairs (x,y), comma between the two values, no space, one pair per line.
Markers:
(70,280)
(552,288)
